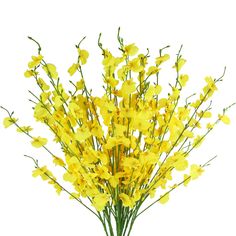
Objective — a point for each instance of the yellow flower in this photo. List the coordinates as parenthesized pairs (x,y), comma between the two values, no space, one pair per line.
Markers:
(100,201)
(206,114)
(114,141)
(43,172)
(128,87)
(183,113)
(188,134)
(58,161)
(83,55)
(103,173)
(126,200)
(9,121)
(131,49)
(196,171)
(135,65)
(38,142)
(45,96)
(183,79)
(104,158)
(127,112)
(225,119)
(112,81)
(109,59)
(69,177)
(152,70)
(80,84)
(210,88)
(58,188)
(43,85)
(119,130)
(198,141)
(122,72)
(178,160)
(82,134)
(161,59)
(35,61)
(151,91)
(97,131)
(175,94)
(74,195)
(114,181)
(131,163)
(187,179)
(140,122)
(181,165)
(25,129)
(51,70)
(41,112)
(210,126)
(179,64)
(57,101)
(73,69)
(148,158)
(29,73)
(164,199)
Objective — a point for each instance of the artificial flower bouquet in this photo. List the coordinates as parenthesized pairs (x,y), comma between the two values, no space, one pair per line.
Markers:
(131,143)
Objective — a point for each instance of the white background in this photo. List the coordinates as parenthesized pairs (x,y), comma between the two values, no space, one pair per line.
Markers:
(206,28)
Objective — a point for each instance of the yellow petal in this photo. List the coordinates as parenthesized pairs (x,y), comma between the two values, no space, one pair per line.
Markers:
(25,129)
(196,171)
(58,161)
(152,70)
(126,200)
(183,80)
(131,49)
(164,199)
(225,119)
(187,179)
(181,165)
(51,70)
(38,142)
(9,121)
(29,73)
(162,59)
(179,64)
(100,201)
(83,55)
(73,69)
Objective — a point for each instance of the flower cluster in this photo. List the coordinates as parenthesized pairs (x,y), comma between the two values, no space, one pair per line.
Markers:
(124,146)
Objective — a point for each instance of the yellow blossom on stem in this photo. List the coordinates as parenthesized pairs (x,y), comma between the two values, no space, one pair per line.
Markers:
(179,64)
(51,70)
(38,142)
(8,121)
(225,119)
(35,61)
(126,200)
(73,69)
(131,49)
(131,142)
(128,87)
(196,171)
(58,161)
(100,201)
(26,129)
(161,59)
(135,65)
(164,199)
(29,73)
(83,55)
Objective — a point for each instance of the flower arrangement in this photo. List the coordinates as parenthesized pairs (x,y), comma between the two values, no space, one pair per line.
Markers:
(131,143)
